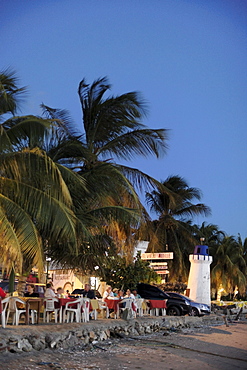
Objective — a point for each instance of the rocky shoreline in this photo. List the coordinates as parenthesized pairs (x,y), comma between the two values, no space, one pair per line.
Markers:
(23,338)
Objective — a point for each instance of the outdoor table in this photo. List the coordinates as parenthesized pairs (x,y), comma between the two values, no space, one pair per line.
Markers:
(94,305)
(157,304)
(153,303)
(94,308)
(144,305)
(33,303)
(112,304)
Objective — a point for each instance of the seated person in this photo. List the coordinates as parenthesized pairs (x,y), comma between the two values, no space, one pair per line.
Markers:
(49,292)
(60,292)
(129,294)
(134,292)
(108,293)
(88,293)
(30,291)
(115,292)
(120,294)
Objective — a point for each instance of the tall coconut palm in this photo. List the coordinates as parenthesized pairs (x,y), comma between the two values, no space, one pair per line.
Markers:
(173,228)
(45,206)
(111,131)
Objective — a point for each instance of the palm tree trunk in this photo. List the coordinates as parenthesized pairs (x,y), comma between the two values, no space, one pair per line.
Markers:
(12,281)
(21,285)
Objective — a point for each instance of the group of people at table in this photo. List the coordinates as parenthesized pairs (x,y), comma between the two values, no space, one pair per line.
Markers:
(113,299)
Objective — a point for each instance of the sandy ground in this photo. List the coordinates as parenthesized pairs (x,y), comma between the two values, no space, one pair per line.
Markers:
(217,347)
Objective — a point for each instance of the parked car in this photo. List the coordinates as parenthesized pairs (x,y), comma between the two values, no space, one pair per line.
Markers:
(198,309)
(175,306)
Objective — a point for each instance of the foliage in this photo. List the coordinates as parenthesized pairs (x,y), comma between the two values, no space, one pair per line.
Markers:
(173,230)
(119,274)
(111,131)
(35,204)
(59,192)
(229,266)
(10,93)
(173,287)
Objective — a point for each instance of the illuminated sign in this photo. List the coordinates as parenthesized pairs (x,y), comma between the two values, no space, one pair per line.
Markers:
(157,256)
(165,272)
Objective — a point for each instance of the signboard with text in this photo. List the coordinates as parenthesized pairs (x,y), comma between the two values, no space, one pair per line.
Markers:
(157,256)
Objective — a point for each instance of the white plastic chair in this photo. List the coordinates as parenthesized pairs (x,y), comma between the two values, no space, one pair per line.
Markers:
(85,309)
(103,307)
(4,302)
(13,309)
(128,305)
(49,307)
(70,311)
(139,309)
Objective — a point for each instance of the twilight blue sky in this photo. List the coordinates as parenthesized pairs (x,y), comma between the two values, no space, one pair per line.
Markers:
(188,58)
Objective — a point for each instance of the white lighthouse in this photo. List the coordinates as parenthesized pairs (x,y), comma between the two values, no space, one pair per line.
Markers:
(199,276)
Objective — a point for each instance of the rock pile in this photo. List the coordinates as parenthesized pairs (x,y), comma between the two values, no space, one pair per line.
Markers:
(23,338)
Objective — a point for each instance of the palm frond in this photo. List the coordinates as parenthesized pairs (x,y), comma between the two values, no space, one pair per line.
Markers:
(139,142)
(10,94)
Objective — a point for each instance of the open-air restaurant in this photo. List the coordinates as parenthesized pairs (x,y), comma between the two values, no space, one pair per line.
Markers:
(59,307)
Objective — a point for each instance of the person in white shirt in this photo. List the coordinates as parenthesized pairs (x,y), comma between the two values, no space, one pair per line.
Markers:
(129,294)
(108,293)
(49,292)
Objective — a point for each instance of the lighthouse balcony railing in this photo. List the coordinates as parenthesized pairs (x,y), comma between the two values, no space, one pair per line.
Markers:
(200,257)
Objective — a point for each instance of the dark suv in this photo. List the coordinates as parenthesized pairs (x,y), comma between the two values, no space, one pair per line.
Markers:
(175,306)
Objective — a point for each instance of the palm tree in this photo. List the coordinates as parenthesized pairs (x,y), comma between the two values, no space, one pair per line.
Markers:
(211,235)
(229,266)
(62,219)
(111,130)
(35,204)
(173,228)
